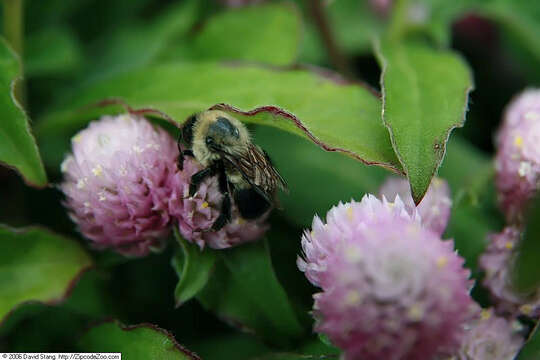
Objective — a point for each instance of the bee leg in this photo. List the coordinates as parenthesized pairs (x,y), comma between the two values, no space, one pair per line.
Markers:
(185,136)
(181,155)
(198,178)
(225,214)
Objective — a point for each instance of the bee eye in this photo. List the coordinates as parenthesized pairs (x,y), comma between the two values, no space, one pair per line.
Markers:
(209,140)
(224,126)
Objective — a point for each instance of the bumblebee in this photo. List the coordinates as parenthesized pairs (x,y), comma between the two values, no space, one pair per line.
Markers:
(222,145)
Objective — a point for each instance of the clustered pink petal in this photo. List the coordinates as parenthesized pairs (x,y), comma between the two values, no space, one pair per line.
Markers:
(391,289)
(518,154)
(319,244)
(488,337)
(497,263)
(434,209)
(115,183)
(197,214)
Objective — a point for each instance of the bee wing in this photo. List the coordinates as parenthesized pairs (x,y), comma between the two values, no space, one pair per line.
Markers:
(257,169)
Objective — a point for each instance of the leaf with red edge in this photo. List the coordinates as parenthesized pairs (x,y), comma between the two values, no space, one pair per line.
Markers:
(337,116)
(143,341)
(17,146)
(37,265)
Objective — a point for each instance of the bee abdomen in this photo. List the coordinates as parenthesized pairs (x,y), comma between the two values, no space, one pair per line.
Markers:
(250,203)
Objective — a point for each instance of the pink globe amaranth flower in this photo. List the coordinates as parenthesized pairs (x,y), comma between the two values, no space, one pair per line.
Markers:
(518,154)
(240,3)
(490,338)
(434,209)
(391,289)
(115,183)
(381,7)
(497,262)
(197,214)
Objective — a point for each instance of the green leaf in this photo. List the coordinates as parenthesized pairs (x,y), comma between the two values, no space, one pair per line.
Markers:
(18,315)
(17,146)
(132,47)
(325,340)
(51,51)
(235,346)
(29,328)
(284,244)
(526,269)
(193,267)
(91,297)
(37,265)
(245,292)
(531,350)
(425,94)
(270,34)
(143,342)
(342,118)
(309,170)
(321,346)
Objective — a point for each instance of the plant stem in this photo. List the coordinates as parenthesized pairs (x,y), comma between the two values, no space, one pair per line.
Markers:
(13,24)
(321,21)
(398,21)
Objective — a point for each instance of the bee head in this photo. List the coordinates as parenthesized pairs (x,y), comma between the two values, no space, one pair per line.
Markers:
(215,133)
(224,132)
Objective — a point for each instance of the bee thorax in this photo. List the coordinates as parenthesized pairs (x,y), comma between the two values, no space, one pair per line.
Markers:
(203,155)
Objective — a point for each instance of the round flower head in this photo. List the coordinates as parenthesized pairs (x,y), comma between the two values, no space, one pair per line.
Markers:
(197,214)
(434,209)
(497,263)
(381,7)
(391,289)
(239,3)
(518,154)
(489,337)
(115,183)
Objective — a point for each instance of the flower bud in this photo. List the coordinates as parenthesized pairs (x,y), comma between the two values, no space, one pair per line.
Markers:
(518,154)
(391,289)
(115,183)
(497,263)
(434,209)
(488,337)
